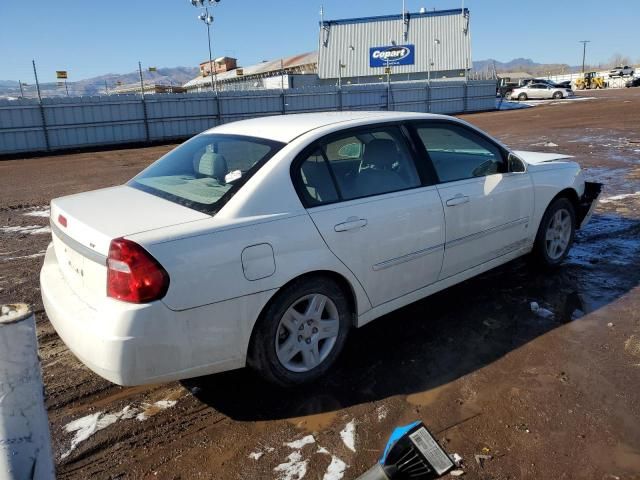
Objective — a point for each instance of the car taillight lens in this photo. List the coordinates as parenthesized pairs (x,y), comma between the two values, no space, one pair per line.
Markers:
(133,275)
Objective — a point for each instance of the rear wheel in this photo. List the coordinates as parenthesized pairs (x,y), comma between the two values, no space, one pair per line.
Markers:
(556,233)
(522,97)
(301,333)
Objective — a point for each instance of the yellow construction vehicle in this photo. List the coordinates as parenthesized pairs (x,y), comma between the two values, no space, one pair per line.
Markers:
(590,80)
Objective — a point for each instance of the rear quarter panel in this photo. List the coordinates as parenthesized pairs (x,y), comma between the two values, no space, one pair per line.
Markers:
(206,267)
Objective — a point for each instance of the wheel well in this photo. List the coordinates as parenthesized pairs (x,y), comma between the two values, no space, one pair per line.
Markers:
(571,195)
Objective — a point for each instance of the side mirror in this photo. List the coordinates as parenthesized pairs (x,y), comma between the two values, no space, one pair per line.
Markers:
(516,164)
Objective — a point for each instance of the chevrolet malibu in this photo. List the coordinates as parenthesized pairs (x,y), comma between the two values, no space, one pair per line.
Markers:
(263,242)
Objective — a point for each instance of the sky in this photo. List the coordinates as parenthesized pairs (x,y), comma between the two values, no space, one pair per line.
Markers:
(95,38)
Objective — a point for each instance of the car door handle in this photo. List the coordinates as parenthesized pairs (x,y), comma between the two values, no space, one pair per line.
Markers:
(457,200)
(352,223)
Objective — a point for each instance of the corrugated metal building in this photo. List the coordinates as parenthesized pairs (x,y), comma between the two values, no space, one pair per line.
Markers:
(414,46)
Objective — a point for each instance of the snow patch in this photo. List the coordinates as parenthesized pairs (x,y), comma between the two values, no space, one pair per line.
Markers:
(255,455)
(382,412)
(30,229)
(150,409)
(540,311)
(297,444)
(619,197)
(86,426)
(348,435)
(335,470)
(294,469)
(44,212)
(33,255)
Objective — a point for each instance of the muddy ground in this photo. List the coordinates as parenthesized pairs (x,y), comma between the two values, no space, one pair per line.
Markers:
(547,395)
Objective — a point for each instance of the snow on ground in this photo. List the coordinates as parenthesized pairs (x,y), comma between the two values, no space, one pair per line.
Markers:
(348,435)
(21,257)
(87,426)
(622,196)
(151,409)
(382,412)
(294,468)
(31,229)
(540,311)
(41,212)
(335,470)
(297,444)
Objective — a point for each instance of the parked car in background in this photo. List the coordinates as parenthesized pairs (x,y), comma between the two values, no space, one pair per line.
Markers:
(566,85)
(634,82)
(621,71)
(538,91)
(263,242)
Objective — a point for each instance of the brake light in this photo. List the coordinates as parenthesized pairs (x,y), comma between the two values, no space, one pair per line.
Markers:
(133,275)
(62,220)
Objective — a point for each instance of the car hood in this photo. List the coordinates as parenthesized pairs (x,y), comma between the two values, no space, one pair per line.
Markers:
(536,158)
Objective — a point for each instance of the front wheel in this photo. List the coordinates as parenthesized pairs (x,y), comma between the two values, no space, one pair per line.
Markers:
(556,233)
(522,97)
(301,333)
(557,95)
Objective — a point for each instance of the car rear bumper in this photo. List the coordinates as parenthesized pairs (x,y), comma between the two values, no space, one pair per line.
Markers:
(132,344)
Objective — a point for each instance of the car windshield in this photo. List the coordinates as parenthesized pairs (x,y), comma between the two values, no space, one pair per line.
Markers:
(204,172)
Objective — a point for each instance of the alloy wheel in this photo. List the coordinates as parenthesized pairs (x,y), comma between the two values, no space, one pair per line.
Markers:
(307,332)
(558,234)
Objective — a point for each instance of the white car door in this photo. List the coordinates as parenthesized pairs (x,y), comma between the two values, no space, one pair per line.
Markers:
(487,208)
(369,203)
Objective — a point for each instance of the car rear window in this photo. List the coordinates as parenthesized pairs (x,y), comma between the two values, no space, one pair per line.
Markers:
(205,171)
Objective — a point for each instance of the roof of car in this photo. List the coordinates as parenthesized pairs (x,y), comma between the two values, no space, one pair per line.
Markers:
(284,128)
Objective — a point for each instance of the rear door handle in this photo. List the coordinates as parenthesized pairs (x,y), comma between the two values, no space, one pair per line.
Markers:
(352,223)
(459,199)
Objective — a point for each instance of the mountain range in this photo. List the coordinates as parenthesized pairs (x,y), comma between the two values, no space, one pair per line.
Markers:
(99,85)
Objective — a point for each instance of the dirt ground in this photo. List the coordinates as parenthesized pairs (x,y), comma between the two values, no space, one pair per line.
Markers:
(553,394)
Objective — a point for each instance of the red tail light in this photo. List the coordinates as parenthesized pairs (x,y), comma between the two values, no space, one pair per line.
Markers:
(133,275)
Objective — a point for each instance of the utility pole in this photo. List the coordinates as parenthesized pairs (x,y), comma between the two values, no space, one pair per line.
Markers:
(35,74)
(584,51)
(21,90)
(141,81)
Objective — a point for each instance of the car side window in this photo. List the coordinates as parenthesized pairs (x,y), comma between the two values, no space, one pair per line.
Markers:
(356,165)
(318,187)
(372,162)
(458,153)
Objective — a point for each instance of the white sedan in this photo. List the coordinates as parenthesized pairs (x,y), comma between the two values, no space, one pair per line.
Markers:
(540,91)
(264,242)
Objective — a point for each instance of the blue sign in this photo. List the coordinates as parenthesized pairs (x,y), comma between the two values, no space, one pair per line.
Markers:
(393,55)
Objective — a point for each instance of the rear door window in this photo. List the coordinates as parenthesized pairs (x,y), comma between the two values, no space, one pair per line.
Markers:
(355,165)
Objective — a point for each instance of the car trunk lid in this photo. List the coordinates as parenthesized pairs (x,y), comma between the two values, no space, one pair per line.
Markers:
(83,226)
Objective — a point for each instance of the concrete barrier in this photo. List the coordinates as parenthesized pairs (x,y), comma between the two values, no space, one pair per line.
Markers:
(25,442)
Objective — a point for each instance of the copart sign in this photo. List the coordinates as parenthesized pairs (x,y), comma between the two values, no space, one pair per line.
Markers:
(393,55)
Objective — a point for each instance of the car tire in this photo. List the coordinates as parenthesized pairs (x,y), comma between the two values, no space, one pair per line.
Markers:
(556,234)
(522,97)
(291,327)
(557,96)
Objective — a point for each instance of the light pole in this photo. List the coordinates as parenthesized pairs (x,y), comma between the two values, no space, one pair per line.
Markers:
(584,51)
(208,20)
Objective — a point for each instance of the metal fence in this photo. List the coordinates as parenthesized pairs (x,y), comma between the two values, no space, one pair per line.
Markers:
(76,122)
